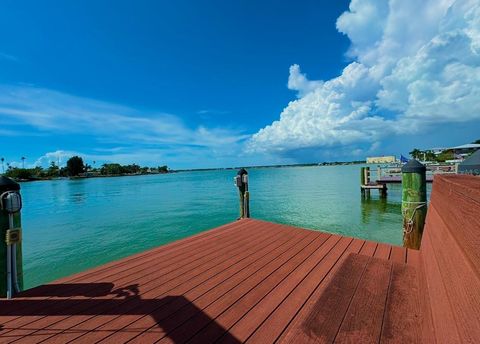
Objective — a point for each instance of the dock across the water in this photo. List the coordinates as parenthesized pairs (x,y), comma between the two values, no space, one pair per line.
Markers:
(258,282)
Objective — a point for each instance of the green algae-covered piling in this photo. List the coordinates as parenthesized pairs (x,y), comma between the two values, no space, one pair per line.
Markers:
(11,272)
(414,203)
(241,181)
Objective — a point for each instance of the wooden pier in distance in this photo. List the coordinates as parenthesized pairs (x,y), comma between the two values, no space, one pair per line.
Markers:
(366,185)
(258,282)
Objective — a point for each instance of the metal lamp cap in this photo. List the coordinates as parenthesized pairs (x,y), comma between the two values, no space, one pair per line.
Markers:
(6,184)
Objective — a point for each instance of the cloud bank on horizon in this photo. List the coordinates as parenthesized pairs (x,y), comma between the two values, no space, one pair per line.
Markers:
(136,136)
(415,65)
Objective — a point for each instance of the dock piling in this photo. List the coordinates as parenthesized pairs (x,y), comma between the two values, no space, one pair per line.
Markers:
(241,181)
(364,180)
(11,271)
(414,203)
(367,175)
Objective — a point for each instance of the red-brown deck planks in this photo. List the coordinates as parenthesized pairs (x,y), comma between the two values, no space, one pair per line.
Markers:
(258,282)
(402,319)
(245,281)
(363,321)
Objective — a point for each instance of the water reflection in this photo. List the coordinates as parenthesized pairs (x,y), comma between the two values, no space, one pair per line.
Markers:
(78,193)
(375,209)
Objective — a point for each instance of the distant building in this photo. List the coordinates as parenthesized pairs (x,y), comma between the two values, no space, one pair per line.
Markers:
(460,151)
(437,151)
(465,150)
(381,159)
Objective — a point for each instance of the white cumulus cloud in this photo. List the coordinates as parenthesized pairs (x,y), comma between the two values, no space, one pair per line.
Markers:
(415,64)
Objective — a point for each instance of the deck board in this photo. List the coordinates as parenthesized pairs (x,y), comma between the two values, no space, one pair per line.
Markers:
(246,281)
(369,299)
(278,320)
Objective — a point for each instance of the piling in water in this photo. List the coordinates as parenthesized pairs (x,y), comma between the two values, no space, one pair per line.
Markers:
(414,203)
(241,181)
(367,175)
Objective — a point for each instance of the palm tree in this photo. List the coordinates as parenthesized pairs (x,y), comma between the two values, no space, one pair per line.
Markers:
(3,167)
(415,153)
(23,162)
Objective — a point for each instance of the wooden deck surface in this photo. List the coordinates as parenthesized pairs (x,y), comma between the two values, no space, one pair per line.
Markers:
(248,281)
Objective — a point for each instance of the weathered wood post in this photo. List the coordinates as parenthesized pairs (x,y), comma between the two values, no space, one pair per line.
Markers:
(362,181)
(11,272)
(241,181)
(383,191)
(414,203)
(367,175)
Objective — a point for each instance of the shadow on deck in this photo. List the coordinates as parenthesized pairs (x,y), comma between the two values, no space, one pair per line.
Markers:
(126,301)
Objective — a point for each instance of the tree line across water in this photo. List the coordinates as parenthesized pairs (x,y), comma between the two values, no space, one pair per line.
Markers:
(76,167)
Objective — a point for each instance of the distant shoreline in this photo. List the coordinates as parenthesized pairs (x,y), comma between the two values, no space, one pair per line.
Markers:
(335,163)
(89,177)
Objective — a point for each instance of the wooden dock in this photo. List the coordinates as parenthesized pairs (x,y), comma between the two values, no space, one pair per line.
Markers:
(245,280)
(258,282)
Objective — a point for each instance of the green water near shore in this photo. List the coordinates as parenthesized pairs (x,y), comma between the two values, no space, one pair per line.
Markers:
(73,225)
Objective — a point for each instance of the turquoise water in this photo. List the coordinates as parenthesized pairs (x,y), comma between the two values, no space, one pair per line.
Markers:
(72,225)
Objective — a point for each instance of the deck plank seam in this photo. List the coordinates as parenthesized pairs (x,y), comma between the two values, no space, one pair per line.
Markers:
(275,287)
(293,289)
(291,257)
(307,299)
(246,277)
(386,303)
(351,299)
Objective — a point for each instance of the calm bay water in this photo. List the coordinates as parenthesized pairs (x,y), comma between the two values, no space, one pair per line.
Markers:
(72,225)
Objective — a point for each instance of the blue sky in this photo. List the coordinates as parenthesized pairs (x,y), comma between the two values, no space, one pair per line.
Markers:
(219,83)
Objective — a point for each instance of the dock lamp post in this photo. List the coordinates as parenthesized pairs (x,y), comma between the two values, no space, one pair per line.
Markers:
(241,181)
(11,271)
